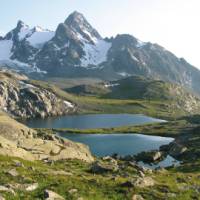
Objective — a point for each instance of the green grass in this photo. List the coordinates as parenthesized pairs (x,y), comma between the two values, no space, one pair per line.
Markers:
(97,187)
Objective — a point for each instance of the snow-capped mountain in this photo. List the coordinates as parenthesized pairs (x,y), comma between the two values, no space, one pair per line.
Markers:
(19,47)
(76,49)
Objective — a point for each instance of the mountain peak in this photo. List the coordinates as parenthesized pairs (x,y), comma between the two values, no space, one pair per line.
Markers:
(79,24)
(21,24)
(75,17)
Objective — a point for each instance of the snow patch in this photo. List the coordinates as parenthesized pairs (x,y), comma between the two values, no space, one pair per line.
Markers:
(5,49)
(124,74)
(38,38)
(108,85)
(95,54)
(140,44)
(69,104)
(24,32)
(134,58)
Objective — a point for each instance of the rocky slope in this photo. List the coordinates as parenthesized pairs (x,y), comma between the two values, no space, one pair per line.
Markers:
(76,49)
(22,99)
(20,141)
(141,88)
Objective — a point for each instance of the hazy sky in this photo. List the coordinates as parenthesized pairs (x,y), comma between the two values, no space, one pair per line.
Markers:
(174,24)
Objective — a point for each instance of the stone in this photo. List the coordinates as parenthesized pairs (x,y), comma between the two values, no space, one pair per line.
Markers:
(13,172)
(171,195)
(137,197)
(6,189)
(50,195)
(177,150)
(141,174)
(144,182)
(98,167)
(128,184)
(72,191)
(18,163)
(31,187)
(2,198)
(150,156)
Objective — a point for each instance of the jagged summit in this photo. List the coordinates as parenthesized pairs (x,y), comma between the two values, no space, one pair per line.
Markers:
(79,23)
(75,16)
(21,24)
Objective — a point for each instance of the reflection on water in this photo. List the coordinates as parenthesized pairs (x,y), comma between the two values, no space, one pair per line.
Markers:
(122,144)
(91,121)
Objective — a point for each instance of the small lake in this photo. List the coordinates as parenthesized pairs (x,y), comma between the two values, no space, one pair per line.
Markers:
(122,144)
(91,121)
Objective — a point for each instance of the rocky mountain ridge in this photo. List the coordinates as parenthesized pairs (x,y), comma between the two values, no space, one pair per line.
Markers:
(22,99)
(76,49)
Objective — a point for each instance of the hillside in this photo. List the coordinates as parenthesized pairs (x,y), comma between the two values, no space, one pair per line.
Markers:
(141,88)
(20,141)
(20,98)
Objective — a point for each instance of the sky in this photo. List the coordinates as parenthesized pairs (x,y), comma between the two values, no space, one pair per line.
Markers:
(174,24)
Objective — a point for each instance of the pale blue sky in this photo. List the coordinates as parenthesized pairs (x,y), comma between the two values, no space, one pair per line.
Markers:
(173,24)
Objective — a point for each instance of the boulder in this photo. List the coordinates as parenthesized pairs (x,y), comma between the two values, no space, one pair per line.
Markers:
(137,197)
(50,195)
(13,172)
(6,189)
(2,198)
(144,182)
(99,167)
(31,187)
(177,150)
(73,190)
(150,156)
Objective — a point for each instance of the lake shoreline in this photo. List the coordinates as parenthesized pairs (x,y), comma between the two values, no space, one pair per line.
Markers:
(165,129)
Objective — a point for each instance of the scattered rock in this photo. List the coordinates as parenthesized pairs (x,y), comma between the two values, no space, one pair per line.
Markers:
(50,195)
(110,159)
(140,168)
